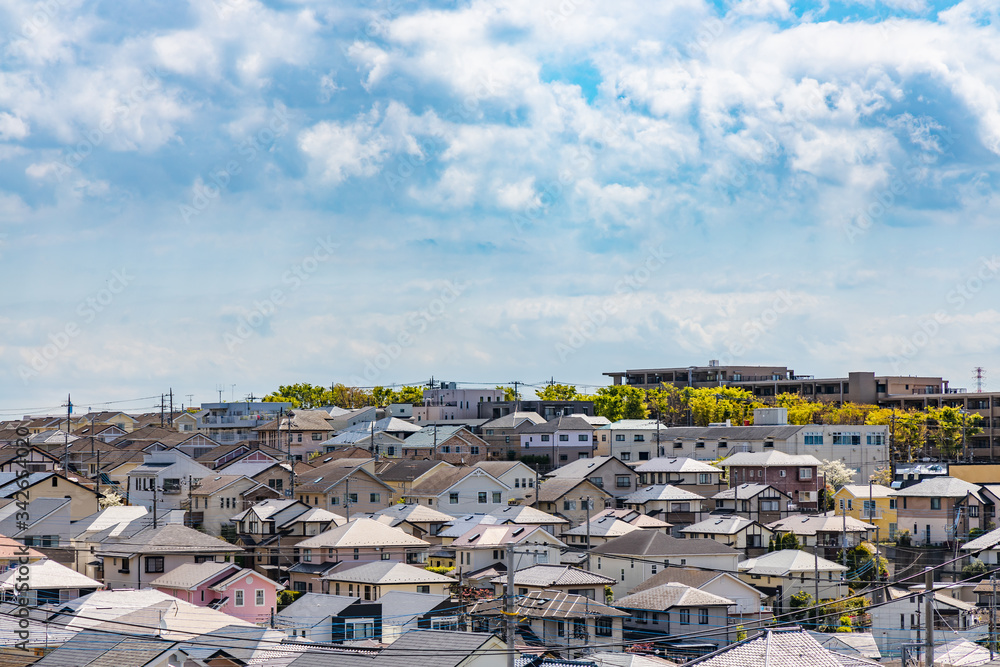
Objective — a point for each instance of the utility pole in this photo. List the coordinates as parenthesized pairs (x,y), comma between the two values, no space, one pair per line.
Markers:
(171,417)
(993,614)
(190,508)
(69,411)
(508,605)
(291,461)
(843,535)
(929,613)
(154,504)
(97,483)
(816,581)
(587,500)
(162,405)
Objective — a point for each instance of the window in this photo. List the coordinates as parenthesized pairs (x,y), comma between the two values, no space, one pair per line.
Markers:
(424,589)
(846,438)
(385,555)
(258,598)
(602,627)
(564,437)
(496,497)
(892,503)
(703,616)
(805,473)
(545,438)
(356,553)
(583,437)
(704,478)
(769,506)
(307,555)
(935,503)
(597,481)
(239,598)
(623,481)
(781,473)
(353,498)
(473,449)
(569,505)
(482,497)
(638,437)
(579,628)
(560,628)
(453,498)
(375,497)
(620,437)
(814,438)
(317,436)
(699,445)
(876,439)
(973,510)
(685,617)
(626,456)
(204,559)
(359,628)
(154,564)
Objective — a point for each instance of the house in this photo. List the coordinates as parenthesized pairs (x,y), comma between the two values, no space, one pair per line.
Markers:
(13,459)
(485,545)
(503,434)
(136,560)
(452,443)
(631,440)
(933,509)
(872,503)
(12,551)
(83,499)
(637,556)
(458,490)
(563,439)
(567,497)
(344,485)
(241,452)
(168,474)
(776,647)
(42,522)
(417,648)
(519,477)
(374,579)
(682,472)
(565,578)
(746,598)
(637,519)
(82,534)
(824,531)
(562,623)
(299,431)
(93,648)
(211,502)
(275,474)
(428,520)
(735,531)
(606,472)
(417,611)
(48,582)
(388,433)
(782,574)
(320,618)
(270,530)
(761,502)
(794,474)
(525,515)
(668,503)
(597,531)
(900,618)
(676,609)
(987,547)
(402,474)
(447,401)
(226,587)
(360,540)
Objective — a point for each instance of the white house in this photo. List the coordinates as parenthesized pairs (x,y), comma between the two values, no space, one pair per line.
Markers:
(460,490)
(170,474)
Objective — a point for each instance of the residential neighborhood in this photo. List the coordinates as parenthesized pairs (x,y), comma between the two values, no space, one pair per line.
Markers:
(574,544)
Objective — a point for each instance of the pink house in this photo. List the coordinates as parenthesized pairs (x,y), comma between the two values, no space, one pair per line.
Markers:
(225,587)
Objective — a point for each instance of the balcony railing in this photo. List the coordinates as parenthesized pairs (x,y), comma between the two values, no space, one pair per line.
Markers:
(871,514)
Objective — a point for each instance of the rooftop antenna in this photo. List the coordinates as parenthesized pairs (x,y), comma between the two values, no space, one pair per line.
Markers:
(190,399)
(979,375)
(220,388)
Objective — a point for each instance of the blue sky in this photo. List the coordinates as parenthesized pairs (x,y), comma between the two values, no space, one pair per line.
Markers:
(221,192)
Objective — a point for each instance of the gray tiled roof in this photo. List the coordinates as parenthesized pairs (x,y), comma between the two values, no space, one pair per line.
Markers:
(672,594)
(314,607)
(940,487)
(405,470)
(773,458)
(526,514)
(514,419)
(655,543)
(386,573)
(571,423)
(555,575)
(549,604)
(676,464)
(660,492)
(171,538)
(744,492)
(777,648)
(584,467)
(403,606)
(106,649)
(419,648)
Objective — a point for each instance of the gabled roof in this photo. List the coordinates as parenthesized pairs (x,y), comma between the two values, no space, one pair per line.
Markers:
(169,539)
(329,475)
(655,543)
(555,575)
(584,467)
(634,517)
(427,436)
(442,480)
(526,514)
(191,575)
(48,574)
(940,487)
(811,524)
(385,573)
(770,459)
(554,488)
(415,513)
(408,606)
(985,541)
(690,576)
(778,648)
(514,419)
(676,464)
(862,491)
(315,608)
(570,423)
(720,525)
(669,595)
(107,649)
(605,526)
(491,537)
(660,492)
(788,562)
(210,485)
(552,604)
(359,533)
(746,492)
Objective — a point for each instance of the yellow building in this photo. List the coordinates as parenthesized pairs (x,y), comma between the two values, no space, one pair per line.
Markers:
(873,503)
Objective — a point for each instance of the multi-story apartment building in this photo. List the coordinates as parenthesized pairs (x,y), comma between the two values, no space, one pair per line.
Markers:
(228,423)
(796,475)
(547,409)
(449,402)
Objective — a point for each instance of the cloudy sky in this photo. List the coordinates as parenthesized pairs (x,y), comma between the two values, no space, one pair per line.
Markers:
(230,192)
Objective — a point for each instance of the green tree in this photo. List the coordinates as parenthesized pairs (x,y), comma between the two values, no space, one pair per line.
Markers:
(620,402)
(789,541)
(409,394)
(976,568)
(951,428)
(799,603)
(801,411)
(907,430)
(305,395)
(882,475)
(717,404)
(668,403)
(508,393)
(558,392)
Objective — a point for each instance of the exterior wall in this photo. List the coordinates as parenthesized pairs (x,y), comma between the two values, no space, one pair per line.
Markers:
(560,636)
(607,475)
(787,479)
(884,515)
(629,572)
(249,611)
(527,554)
(137,577)
(468,491)
(359,485)
(455,450)
(751,508)
(35,461)
(577,442)
(831,587)
(631,445)
(520,479)
(454,403)
(714,629)
(371,592)
(83,502)
(139,485)
(704,484)
(219,508)
(742,539)
(937,526)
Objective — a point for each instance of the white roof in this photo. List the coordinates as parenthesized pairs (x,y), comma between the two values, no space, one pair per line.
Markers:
(719,525)
(768,459)
(786,562)
(862,491)
(49,574)
(676,464)
(362,532)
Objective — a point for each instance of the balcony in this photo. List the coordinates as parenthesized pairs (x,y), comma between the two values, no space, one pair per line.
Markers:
(869,514)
